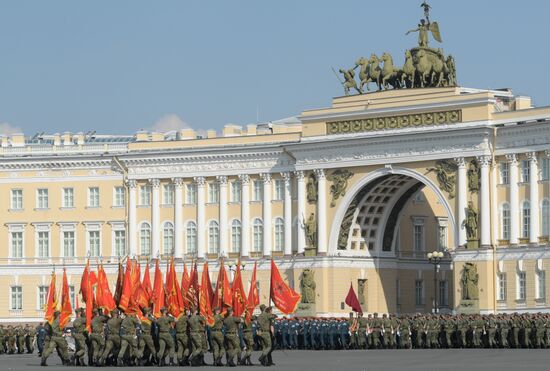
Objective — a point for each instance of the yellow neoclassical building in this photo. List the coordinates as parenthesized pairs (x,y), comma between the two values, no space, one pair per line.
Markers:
(357,192)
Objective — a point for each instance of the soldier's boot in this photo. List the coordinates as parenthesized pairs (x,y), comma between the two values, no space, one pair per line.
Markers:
(172,361)
(43,362)
(270,360)
(230,362)
(73,361)
(202,361)
(162,362)
(81,361)
(239,360)
(119,362)
(249,361)
(262,360)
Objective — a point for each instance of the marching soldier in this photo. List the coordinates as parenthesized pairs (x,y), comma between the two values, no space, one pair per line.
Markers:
(265,331)
(216,336)
(112,345)
(30,334)
(353,325)
(196,329)
(10,335)
(40,337)
(20,337)
(97,339)
(146,338)
(362,326)
(166,342)
(79,335)
(182,340)
(56,341)
(376,331)
(248,338)
(404,333)
(231,325)
(2,340)
(128,338)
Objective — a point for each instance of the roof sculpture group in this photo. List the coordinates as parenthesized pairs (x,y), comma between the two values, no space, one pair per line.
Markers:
(423,67)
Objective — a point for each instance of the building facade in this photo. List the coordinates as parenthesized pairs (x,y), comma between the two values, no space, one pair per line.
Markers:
(358,192)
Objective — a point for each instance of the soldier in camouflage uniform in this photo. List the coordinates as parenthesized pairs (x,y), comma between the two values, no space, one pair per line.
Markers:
(265,332)
(146,338)
(20,337)
(233,347)
(10,337)
(30,334)
(129,340)
(491,328)
(196,329)
(182,340)
(2,340)
(248,338)
(56,341)
(79,334)
(97,338)
(166,342)
(112,345)
(404,333)
(216,336)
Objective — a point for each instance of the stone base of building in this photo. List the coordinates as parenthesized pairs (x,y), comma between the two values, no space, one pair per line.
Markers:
(468,307)
(306,310)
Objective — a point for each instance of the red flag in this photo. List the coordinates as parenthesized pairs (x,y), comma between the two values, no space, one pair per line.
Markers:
(103,292)
(185,281)
(87,291)
(66,308)
(84,282)
(119,281)
(222,295)
(352,301)
(127,291)
(253,296)
(173,293)
(135,278)
(158,291)
(146,285)
(284,298)
(51,302)
(204,298)
(239,297)
(193,290)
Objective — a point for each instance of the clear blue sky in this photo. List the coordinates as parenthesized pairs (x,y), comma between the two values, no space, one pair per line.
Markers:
(118,66)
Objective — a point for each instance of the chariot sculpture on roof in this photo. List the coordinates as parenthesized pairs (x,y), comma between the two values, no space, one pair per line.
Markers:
(424,66)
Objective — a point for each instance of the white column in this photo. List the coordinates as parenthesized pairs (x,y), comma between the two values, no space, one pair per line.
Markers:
(301,211)
(266,178)
(288,214)
(485,208)
(245,214)
(514,199)
(224,228)
(321,212)
(462,196)
(155,218)
(201,231)
(178,217)
(132,228)
(533,198)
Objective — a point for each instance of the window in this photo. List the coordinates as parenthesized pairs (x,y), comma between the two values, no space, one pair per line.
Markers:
(168,194)
(258,190)
(521,286)
(42,297)
(93,197)
(541,285)
(279,189)
(525,219)
(191,194)
(68,197)
(43,244)
(504,173)
(120,197)
(213,193)
(236,236)
(191,238)
(419,293)
(279,234)
(258,235)
(168,239)
(418,237)
(68,244)
(120,242)
(501,286)
(525,171)
(213,237)
(236,191)
(545,168)
(545,217)
(505,221)
(16,245)
(16,199)
(145,239)
(145,195)
(443,293)
(42,198)
(94,243)
(16,298)
(442,237)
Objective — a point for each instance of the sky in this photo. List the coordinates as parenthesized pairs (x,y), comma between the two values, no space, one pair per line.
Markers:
(120,66)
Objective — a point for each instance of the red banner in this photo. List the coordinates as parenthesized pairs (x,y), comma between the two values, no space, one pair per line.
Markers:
(119,281)
(205,298)
(239,297)
(185,281)
(51,302)
(104,297)
(253,296)
(193,290)
(158,291)
(284,298)
(66,307)
(352,301)
(126,287)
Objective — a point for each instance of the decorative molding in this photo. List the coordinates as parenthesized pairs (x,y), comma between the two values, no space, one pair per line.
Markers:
(484,160)
(200,180)
(460,162)
(266,178)
(244,178)
(512,158)
(299,175)
(178,182)
(320,174)
(532,157)
(155,183)
(222,179)
(131,183)
(287,177)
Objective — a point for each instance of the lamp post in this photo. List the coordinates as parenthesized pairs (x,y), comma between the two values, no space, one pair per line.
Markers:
(435,258)
(233,267)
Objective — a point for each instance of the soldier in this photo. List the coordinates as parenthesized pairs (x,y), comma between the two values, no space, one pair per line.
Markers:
(503,324)
(216,336)
(2,340)
(293,330)
(79,335)
(449,328)
(491,329)
(56,341)
(128,339)
(231,325)
(404,333)
(40,337)
(112,345)
(527,327)
(97,339)
(196,329)
(362,326)
(11,337)
(30,334)
(166,342)
(146,338)
(353,325)
(376,331)
(248,339)
(20,337)
(182,340)
(265,331)
(516,325)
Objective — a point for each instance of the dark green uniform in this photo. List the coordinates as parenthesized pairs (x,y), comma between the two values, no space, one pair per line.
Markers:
(405,334)
(128,337)
(196,331)
(248,338)
(113,338)
(233,346)
(265,322)
(146,339)
(30,334)
(20,336)
(79,335)
(182,339)
(2,340)
(57,341)
(166,342)
(362,324)
(97,337)
(216,337)
(10,338)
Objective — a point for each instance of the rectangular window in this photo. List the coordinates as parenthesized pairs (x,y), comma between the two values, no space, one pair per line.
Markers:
(504,173)
(42,297)
(213,193)
(419,293)
(442,237)
(525,171)
(44,244)
(16,298)
(545,168)
(120,243)
(120,197)
(258,190)
(93,197)
(418,238)
(68,244)
(42,198)
(279,189)
(541,285)
(521,286)
(168,194)
(236,191)
(505,223)
(16,199)
(17,245)
(501,289)
(443,293)
(145,195)
(93,243)
(68,197)
(191,194)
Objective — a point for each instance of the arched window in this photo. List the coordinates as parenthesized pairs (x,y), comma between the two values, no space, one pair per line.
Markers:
(191,237)
(145,239)
(505,221)
(258,235)
(525,219)
(213,237)
(545,219)
(236,236)
(279,234)
(168,239)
